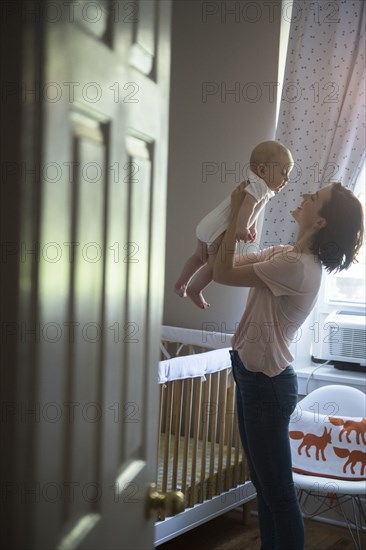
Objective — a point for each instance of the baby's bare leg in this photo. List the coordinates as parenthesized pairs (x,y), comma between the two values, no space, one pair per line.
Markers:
(204,276)
(192,265)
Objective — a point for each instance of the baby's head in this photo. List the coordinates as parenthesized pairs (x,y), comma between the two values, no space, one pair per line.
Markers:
(272,162)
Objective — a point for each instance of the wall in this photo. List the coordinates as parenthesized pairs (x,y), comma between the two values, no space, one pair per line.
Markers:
(211,130)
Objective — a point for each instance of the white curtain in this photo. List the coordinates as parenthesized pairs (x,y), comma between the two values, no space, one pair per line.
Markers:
(322,110)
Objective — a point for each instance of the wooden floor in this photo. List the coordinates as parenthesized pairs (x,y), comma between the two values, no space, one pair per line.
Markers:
(227,532)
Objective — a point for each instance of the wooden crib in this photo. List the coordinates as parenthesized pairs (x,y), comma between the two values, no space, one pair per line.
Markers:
(200,452)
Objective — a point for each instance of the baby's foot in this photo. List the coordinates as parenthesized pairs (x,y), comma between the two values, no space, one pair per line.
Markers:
(197,298)
(181,290)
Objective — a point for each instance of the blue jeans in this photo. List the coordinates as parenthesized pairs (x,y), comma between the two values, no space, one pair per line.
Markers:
(264,406)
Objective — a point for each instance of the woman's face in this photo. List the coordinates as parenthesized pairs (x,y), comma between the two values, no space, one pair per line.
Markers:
(307,214)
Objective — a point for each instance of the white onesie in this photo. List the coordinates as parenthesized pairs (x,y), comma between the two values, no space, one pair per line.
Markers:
(216,221)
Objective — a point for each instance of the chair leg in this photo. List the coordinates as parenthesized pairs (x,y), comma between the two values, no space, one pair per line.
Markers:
(355,525)
(360,520)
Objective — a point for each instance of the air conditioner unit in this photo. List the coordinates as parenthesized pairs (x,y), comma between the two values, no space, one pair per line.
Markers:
(345,338)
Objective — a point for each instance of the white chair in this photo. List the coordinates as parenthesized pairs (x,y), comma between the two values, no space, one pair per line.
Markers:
(339,400)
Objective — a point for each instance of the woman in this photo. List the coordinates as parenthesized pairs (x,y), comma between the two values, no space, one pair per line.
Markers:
(285,281)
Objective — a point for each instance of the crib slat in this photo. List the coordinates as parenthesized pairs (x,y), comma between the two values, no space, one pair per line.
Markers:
(222,418)
(161,423)
(160,420)
(177,417)
(204,437)
(214,398)
(168,425)
(240,458)
(244,468)
(188,386)
(237,449)
(229,430)
(196,423)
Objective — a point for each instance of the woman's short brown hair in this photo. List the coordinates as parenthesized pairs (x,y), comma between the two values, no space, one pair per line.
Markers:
(339,241)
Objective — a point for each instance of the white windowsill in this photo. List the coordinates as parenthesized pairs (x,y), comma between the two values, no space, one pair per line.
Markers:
(326,375)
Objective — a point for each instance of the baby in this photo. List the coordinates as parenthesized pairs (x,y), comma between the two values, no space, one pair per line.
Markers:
(270,165)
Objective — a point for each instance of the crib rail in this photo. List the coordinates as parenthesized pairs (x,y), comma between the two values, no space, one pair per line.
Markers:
(200,449)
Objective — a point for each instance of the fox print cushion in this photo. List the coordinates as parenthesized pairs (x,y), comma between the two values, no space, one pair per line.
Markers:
(329,446)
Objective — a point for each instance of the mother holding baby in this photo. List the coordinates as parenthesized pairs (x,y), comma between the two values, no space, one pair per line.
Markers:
(284,283)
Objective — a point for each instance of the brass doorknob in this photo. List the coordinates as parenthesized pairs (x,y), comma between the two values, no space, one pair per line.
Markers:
(170,503)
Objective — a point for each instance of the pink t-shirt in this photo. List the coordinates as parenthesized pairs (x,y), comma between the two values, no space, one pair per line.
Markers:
(274,314)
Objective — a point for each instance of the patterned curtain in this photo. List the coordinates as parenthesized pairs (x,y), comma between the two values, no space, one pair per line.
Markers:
(322,110)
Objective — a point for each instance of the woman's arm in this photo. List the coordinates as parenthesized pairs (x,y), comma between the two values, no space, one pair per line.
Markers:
(225,270)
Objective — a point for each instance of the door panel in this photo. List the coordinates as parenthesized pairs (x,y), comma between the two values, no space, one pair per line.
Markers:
(142,49)
(86,366)
(137,259)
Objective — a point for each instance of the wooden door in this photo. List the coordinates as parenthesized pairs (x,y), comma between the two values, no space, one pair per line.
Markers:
(91,273)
